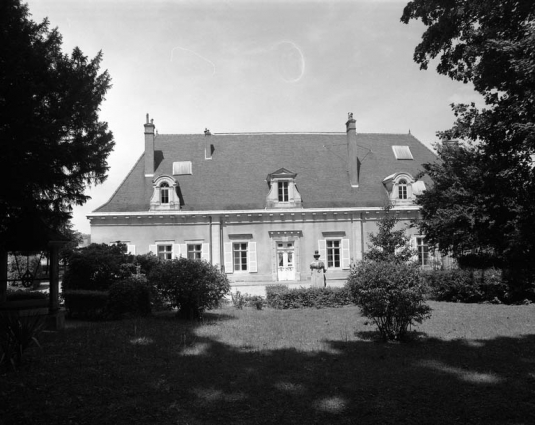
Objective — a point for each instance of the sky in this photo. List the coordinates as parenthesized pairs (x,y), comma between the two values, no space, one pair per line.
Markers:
(241,66)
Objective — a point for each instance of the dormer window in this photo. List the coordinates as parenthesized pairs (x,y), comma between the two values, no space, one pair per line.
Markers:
(283,191)
(402,189)
(164,195)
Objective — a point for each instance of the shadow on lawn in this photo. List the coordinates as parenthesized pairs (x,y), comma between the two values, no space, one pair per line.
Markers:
(199,380)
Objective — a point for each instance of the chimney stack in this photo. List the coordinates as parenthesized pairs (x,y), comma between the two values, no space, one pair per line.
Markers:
(351,130)
(207,144)
(149,148)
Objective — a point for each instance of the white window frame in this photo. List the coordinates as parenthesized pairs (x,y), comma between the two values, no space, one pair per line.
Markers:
(164,193)
(422,248)
(242,267)
(165,252)
(251,256)
(283,187)
(344,252)
(333,248)
(403,189)
(194,251)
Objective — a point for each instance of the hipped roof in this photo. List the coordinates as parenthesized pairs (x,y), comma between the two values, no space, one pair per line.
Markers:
(235,177)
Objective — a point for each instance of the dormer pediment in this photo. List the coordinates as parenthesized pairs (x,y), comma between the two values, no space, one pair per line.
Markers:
(281,173)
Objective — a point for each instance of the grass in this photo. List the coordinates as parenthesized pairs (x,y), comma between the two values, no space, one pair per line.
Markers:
(469,364)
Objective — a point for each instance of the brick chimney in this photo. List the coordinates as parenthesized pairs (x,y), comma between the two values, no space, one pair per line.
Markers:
(149,148)
(351,130)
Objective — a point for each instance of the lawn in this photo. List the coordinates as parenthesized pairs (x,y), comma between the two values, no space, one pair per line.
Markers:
(468,364)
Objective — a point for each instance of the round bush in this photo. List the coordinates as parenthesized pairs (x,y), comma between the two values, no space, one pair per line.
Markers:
(129,296)
(391,294)
(192,286)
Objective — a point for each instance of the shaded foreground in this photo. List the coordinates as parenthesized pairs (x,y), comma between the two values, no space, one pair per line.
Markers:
(469,364)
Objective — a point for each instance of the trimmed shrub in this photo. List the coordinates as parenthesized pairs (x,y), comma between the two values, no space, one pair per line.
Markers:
(97,267)
(391,294)
(86,304)
(280,297)
(192,286)
(129,296)
(466,285)
(21,295)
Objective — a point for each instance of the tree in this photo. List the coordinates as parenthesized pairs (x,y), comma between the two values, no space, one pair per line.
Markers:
(53,143)
(484,190)
(391,294)
(389,244)
(75,239)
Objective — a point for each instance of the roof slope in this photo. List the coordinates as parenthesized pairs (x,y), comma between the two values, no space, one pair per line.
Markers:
(235,177)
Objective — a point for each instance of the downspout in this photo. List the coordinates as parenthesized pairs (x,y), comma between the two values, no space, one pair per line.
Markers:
(221,253)
(211,262)
(362,217)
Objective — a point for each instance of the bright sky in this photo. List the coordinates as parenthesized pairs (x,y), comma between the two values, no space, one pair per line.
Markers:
(252,66)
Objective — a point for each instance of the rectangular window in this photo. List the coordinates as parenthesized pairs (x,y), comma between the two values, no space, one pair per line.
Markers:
(333,253)
(165,252)
(423,251)
(194,251)
(283,191)
(239,251)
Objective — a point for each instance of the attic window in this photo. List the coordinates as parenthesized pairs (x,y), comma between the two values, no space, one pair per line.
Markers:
(181,168)
(402,152)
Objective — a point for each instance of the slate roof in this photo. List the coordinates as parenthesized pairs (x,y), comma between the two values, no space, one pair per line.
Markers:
(235,177)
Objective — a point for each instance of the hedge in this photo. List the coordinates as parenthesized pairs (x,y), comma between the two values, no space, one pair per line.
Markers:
(466,285)
(281,297)
(82,303)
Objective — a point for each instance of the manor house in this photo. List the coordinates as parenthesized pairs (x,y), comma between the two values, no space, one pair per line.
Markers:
(259,205)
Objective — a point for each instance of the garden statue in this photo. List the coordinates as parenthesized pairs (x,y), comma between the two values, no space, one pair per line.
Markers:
(318,270)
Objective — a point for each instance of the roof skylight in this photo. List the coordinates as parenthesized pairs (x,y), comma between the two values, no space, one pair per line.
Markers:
(181,168)
(402,152)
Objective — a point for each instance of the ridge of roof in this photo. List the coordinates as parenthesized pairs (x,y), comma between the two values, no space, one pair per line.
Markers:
(247,133)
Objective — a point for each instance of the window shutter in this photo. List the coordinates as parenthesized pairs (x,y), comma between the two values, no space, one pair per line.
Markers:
(183,250)
(176,250)
(322,247)
(153,249)
(205,254)
(345,254)
(251,254)
(414,247)
(131,249)
(229,267)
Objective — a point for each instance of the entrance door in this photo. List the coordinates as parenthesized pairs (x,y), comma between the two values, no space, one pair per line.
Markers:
(286,260)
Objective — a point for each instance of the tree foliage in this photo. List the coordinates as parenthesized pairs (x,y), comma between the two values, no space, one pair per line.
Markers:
(53,143)
(389,244)
(192,286)
(484,191)
(97,266)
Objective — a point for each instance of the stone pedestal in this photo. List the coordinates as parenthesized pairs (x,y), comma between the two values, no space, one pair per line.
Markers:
(55,320)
